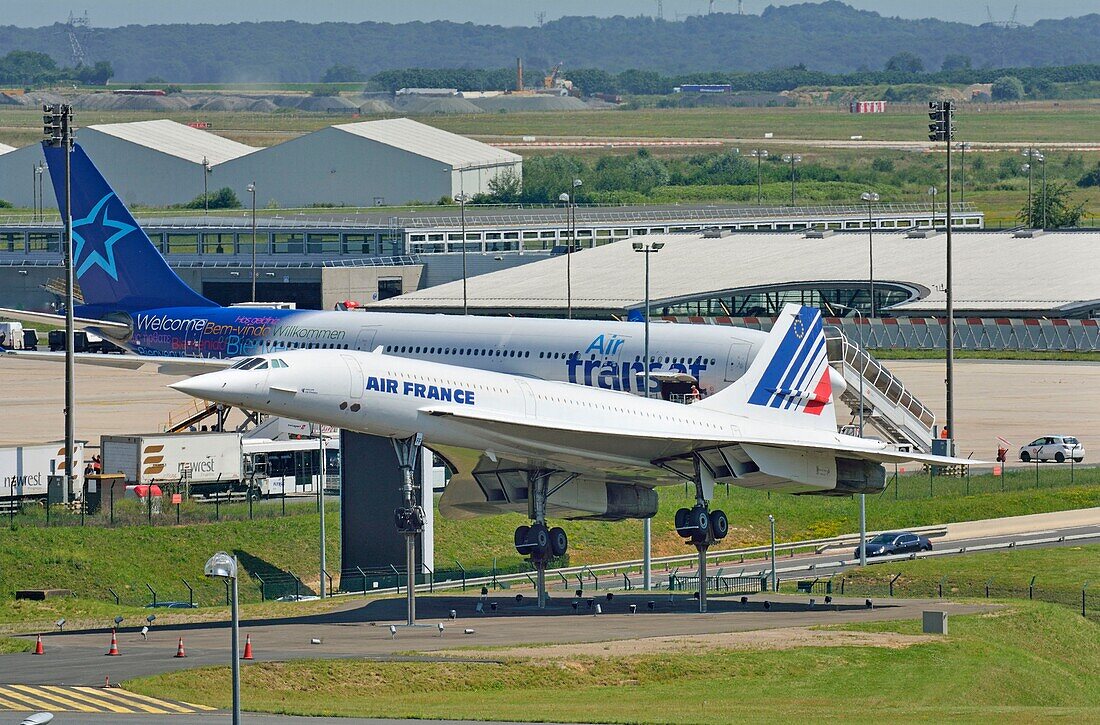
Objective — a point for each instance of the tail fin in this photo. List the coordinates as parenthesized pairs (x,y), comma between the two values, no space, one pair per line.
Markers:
(116,265)
(789,380)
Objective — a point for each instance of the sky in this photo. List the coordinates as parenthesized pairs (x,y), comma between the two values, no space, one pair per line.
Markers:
(112,13)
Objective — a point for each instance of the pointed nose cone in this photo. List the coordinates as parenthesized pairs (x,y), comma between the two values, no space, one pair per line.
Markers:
(209,386)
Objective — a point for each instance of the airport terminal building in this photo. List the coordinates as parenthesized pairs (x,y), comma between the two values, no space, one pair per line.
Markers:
(377,254)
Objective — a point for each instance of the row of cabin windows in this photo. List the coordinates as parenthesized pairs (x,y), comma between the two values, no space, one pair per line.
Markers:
(419,349)
(281,345)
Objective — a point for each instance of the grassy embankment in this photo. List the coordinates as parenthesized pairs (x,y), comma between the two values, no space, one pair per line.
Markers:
(125,558)
(1030,662)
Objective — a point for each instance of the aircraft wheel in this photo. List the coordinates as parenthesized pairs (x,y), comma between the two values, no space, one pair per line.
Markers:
(700,520)
(520,538)
(559,542)
(719,524)
(538,542)
(683,527)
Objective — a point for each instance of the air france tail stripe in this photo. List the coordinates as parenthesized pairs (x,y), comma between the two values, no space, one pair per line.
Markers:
(769,380)
(805,360)
(794,363)
(809,369)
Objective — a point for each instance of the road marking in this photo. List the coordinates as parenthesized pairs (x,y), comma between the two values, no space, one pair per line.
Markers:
(121,696)
(90,699)
(133,698)
(65,697)
(37,700)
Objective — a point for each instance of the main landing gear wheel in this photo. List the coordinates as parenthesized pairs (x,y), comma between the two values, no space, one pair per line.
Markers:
(719,525)
(520,539)
(559,542)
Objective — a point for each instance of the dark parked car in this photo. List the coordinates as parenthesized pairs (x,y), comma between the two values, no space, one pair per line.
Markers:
(895,542)
(172,605)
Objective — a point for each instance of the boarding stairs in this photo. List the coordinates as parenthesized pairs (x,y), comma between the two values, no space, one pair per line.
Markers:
(888,407)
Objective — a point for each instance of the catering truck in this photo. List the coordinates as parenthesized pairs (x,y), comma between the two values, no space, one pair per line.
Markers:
(201,462)
(25,471)
(207,463)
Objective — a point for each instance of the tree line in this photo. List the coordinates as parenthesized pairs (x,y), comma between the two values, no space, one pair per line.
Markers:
(29,68)
(1037,81)
(830,36)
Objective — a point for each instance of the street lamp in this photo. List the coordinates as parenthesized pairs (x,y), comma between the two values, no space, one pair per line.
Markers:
(792,159)
(252,191)
(224,566)
(205,189)
(932,191)
(647,248)
(462,199)
(775,580)
(871,198)
(963,147)
(862,497)
(759,155)
(1033,157)
(36,191)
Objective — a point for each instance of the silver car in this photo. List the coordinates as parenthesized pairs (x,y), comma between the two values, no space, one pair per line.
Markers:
(1053,448)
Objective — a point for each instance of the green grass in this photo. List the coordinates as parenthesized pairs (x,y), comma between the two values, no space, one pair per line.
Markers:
(797,517)
(10,646)
(1029,663)
(89,560)
(899,354)
(1059,575)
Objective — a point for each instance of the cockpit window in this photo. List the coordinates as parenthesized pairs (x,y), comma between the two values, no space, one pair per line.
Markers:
(246,364)
(261,366)
(277,363)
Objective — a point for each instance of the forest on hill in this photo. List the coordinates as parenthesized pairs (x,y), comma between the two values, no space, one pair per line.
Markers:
(830,37)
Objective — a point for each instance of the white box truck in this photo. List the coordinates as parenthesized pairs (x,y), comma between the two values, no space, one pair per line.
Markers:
(25,470)
(207,461)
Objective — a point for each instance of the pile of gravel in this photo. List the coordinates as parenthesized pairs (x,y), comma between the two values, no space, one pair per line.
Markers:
(439,105)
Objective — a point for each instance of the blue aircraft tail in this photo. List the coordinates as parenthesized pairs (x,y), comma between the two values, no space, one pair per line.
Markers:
(116,265)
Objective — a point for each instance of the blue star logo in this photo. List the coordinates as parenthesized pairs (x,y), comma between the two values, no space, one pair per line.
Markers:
(96,244)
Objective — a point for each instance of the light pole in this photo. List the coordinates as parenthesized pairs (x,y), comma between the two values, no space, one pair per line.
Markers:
(461,198)
(792,159)
(759,155)
(205,184)
(862,497)
(59,131)
(1032,155)
(41,199)
(963,147)
(321,499)
(932,191)
(871,198)
(647,248)
(775,580)
(252,191)
(224,566)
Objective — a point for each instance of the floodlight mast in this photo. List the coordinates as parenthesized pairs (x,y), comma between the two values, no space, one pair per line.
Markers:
(942,128)
(59,131)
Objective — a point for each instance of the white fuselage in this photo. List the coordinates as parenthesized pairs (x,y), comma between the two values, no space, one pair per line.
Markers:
(539,422)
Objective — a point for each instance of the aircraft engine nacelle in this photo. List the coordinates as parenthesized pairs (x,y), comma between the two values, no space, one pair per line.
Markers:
(629,502)
(854,476)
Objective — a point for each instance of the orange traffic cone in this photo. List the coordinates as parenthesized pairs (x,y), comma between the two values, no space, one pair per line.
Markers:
(38,650)
(113,652)
(247,647)
(179,649)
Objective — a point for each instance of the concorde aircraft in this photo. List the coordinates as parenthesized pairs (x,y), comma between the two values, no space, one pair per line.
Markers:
(132,297)
(553,449)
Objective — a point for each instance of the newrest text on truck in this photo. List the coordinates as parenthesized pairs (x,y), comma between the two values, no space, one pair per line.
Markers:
(207,463)
(25,471)
(199,462)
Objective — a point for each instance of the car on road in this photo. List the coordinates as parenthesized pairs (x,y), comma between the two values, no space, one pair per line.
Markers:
(172,605)
(1053,448)
(895,542)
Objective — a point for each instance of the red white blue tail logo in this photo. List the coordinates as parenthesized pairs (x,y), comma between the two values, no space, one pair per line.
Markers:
(797,376)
